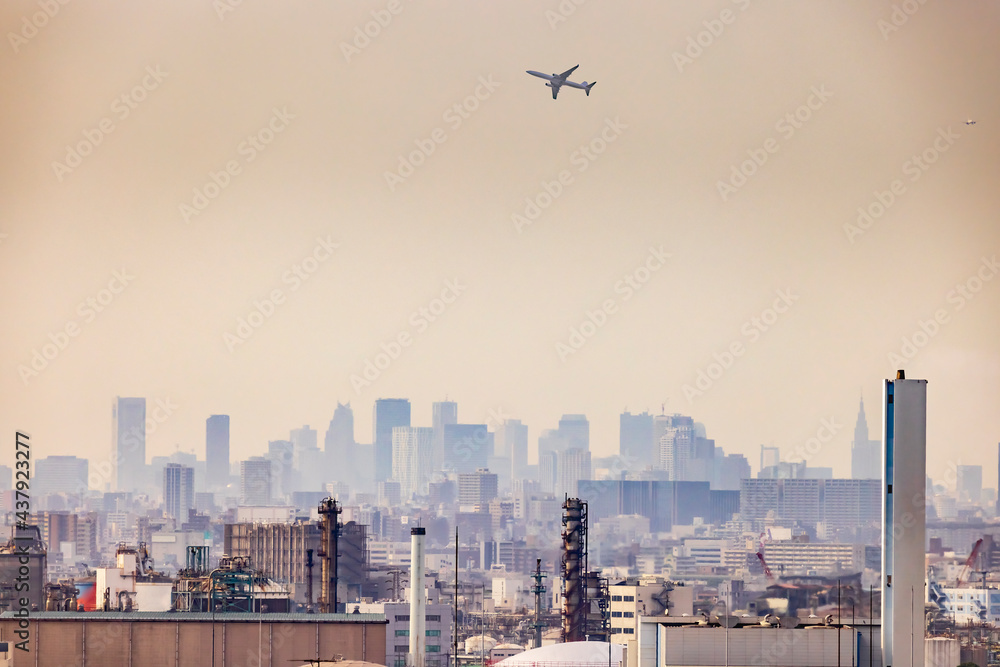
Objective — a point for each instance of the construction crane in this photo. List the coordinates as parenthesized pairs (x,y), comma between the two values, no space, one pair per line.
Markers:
(969,561)
(767,570)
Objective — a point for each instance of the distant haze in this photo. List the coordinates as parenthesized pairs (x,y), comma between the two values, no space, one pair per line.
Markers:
(214,159)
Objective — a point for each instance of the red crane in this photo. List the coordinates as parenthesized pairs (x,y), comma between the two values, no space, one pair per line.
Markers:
(969,561)
(767,570)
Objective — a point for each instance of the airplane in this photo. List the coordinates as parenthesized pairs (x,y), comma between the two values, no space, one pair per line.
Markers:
(970,122)
(558,80)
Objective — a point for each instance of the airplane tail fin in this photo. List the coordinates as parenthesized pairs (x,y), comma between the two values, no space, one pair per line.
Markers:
(589,86)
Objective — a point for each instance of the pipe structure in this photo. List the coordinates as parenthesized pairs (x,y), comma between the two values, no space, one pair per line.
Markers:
(574,557)
(418,599)
(329,512)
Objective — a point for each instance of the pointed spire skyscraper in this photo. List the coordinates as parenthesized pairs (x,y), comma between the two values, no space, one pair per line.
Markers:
(866,455)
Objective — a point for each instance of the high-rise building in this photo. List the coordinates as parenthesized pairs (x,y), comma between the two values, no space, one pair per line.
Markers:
(339,447)
(866,455)
(388,413)
(512,442)
(635,440)
(467,447)
(550,442)
(443,412)
(281,454)
(178,491)
(411,459)
(575,430)
(572,465)
(477,488)
(675,436)
(128,447)
(60,474)
(969,483)
(303,440)
(904,449)
(770,457)
(255,481)
(217,451)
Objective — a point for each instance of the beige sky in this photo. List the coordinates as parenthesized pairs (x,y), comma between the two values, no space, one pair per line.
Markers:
(197,84)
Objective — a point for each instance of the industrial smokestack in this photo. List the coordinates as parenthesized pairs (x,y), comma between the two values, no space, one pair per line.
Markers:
(418,599)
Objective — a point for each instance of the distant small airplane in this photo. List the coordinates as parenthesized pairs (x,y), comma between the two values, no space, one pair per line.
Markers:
(558,80)
(970,122)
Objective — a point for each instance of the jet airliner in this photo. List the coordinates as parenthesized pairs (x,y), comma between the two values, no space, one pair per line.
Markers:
(556,81)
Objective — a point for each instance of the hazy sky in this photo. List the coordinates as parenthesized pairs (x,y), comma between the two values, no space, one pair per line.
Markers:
(116,115)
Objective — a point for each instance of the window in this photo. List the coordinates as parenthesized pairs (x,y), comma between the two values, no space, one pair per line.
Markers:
(616,614)
(629,598)
(405,617)
(402,633)
(402,649)
(616,598)
(629,631)
(433,617)
(434,649)
(628,614)
(433,633)
(400,662)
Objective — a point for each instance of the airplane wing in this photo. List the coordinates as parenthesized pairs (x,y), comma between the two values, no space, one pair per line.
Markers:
(568,72)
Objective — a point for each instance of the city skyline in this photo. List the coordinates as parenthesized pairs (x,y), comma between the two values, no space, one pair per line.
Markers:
(752,239)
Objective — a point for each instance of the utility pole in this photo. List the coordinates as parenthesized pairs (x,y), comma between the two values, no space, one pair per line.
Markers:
(454,625)
(538,589)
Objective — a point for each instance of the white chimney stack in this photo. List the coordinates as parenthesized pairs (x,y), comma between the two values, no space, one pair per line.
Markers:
(418,599)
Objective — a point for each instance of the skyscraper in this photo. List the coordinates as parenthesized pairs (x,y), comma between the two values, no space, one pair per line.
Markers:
(217,451)
(572,465)
(635,439)
(443,412)
(388,413)
(255,481)
(128,448)
(178,491)
(280,455)
(866,455)
(969,484)
(904,450)
(769,457)
(512,442)
(60,474)
(467,447)
(411,459)
(675,436)
(339,447)
(575,429)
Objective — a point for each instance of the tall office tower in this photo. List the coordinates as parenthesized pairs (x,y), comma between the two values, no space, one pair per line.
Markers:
(388,413)
(550,442)
(676,441)
(769,457)
(904,454)
(548,467)
(572,465)
(280,454)
(128,446)
(467,447)
(411,459)
(575,429)
(477,488)
(512,441)
(866,455)
(635,440)
(443,412)
(178,491)
(303,439)
(255,481)
(969,484)
(339,448)
(217,451)
(60,474)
